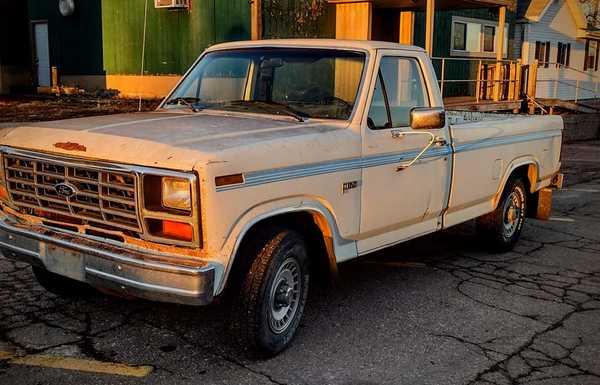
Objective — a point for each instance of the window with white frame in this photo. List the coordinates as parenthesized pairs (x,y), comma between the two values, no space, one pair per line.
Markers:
(542,52)
(459,37)
(563,54)
(476,37)
(489,38)
(592,49)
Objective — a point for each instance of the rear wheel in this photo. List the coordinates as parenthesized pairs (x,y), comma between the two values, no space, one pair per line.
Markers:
(502,227)
(60,285)
(271,300)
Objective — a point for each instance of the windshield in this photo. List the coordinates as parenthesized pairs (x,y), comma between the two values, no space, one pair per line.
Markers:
(302,83)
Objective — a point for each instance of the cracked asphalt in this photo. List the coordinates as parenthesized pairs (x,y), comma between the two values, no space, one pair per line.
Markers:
(436,310)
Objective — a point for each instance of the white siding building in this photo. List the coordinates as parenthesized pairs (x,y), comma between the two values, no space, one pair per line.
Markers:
(556,34)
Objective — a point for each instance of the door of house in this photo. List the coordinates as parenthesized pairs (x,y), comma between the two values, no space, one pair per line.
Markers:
(42,54)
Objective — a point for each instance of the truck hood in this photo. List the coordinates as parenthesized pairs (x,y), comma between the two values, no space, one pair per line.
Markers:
(158,139)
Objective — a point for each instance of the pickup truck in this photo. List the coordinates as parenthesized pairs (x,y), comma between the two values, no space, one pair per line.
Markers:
(269,163)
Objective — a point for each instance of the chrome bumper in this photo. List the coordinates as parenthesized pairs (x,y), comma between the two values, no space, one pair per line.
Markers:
(104,265)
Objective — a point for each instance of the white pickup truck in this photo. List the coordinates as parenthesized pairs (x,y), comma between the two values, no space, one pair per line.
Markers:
(269,163)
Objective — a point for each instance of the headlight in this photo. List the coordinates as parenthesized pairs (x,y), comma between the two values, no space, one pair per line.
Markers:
(176,193)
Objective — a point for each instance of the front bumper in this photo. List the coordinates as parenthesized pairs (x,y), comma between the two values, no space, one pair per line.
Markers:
(140,273)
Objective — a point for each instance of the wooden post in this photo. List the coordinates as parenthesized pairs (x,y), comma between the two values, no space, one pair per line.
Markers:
(353,20)
(517,92)
(499,53)
(501,32)
(256,19)
(518,74)
(407,27)
(443,76)
(429,27)
(478,82)
(511,81)
(531,84)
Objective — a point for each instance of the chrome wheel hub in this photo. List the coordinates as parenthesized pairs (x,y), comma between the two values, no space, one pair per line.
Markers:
(512,213)
(284,296)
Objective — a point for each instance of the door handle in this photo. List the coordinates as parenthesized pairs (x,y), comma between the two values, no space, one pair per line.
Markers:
(440,142)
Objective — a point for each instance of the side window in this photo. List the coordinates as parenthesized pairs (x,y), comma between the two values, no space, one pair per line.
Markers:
(378,113)
(400,87)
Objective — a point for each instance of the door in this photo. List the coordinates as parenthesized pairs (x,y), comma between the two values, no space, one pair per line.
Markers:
(401,200)
(42,54)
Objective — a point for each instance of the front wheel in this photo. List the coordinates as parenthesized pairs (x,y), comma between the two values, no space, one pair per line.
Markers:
(272,297)
(502,227)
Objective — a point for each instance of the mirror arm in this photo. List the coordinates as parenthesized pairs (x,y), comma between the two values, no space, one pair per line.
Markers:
(396,134)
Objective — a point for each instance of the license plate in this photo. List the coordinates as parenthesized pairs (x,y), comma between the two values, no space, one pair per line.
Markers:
(64,262)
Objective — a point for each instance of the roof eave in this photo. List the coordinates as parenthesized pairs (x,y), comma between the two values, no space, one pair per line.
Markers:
(587,34)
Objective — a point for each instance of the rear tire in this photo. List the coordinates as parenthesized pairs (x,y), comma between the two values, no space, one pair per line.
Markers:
(272,297)
(502,227)
(59,285)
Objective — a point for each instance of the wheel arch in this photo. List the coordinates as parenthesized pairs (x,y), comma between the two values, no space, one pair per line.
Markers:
(527,167)
(313,220)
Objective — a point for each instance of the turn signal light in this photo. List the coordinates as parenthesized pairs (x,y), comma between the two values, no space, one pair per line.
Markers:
(226,180)
(177,230)
(3,193)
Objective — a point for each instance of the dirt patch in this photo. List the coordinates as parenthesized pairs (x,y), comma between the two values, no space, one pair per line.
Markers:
(36,108)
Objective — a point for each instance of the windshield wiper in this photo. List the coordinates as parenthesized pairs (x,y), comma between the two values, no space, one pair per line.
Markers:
(273,106)
(185,101)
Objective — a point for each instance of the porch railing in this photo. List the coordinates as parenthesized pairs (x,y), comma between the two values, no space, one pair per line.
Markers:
(480,79)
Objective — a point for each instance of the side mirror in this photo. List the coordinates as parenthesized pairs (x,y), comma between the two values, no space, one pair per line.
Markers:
(425,118)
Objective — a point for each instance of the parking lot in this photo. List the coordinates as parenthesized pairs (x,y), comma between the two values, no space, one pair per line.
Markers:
(437,310)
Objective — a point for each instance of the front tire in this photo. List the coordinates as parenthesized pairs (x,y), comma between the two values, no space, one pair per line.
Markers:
(273,294)
(502,227)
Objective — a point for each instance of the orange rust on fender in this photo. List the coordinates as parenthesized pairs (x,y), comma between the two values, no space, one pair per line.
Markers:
(328,237)
(70,146)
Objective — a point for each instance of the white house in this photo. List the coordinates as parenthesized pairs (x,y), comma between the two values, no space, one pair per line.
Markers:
(558,35)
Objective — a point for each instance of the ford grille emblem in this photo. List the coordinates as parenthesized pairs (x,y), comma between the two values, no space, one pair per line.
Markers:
(65,190)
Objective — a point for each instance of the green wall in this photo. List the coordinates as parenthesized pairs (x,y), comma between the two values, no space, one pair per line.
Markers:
(75,41)
(456,70)
(174,39)
(14,44)
(105,36)
(443,27)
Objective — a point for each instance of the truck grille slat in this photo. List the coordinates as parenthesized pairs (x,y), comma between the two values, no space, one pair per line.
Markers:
(100,197)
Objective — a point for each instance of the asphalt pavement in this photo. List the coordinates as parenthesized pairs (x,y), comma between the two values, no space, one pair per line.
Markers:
(436,310)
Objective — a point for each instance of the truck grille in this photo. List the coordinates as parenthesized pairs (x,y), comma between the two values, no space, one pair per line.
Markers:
(87,195)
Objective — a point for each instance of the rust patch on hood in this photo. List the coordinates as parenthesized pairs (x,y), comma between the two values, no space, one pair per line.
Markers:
(70,146)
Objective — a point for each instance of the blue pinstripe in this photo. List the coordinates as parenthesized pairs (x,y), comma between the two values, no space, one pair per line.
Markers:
(256,178)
